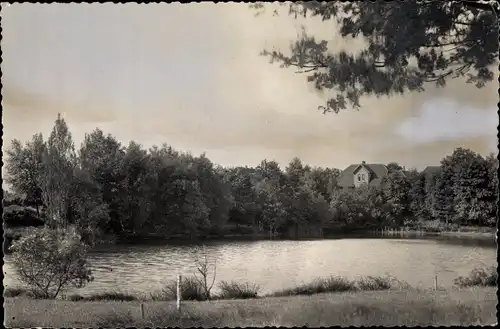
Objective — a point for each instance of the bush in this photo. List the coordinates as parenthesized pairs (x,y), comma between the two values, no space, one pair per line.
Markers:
(50,260)
(235,290)
(191,289)
(374,283)
(115,296)
(479,277)
(337,284)
(319,285)
(15,292)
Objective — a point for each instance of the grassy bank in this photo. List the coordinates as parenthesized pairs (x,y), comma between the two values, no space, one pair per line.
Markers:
(385,308)
(192,290)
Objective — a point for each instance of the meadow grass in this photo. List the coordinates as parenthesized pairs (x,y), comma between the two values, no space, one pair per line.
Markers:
(465,306)
(237,290)
(336,284)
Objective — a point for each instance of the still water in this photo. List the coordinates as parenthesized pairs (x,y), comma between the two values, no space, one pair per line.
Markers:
(275,265)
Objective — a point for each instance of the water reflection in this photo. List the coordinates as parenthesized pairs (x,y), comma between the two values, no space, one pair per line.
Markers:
(280,264)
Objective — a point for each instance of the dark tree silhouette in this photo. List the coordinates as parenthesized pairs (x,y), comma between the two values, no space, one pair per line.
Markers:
(408,44)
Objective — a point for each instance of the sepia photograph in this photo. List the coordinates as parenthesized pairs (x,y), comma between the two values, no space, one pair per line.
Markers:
(260,164)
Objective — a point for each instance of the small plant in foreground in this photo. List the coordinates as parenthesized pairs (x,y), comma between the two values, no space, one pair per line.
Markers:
(50,260)
(191,289)
(236,290)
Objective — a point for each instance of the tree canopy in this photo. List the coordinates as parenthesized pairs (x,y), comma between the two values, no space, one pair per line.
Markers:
(105,188)
(408,45)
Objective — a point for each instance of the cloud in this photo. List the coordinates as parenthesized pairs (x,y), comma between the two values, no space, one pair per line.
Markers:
(445,119)
(191,76)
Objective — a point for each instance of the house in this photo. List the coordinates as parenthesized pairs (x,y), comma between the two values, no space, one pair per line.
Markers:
(431,170)
(358,174)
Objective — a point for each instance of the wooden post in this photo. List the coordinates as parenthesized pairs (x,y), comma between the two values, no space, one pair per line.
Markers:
(179,281)
(436,282)
(142,311)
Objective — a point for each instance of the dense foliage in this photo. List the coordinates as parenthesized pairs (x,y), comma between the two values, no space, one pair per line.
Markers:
(407,46)
(49,261)
(108,188)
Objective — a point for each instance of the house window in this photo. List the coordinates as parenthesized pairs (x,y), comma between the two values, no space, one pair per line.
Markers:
(359,178)
(363,177)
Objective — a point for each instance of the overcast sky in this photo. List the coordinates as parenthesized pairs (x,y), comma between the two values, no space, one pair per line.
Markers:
(191,76)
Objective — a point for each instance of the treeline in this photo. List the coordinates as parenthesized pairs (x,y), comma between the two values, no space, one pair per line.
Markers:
(105,187)
(462,191)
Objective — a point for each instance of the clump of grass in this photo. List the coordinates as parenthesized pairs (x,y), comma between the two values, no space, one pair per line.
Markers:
(74,298)
(374,283)
(15,292)
(237,290)
(484,277)
(22,292)
(191,289)
(106,296)
(319,285)
(337,284)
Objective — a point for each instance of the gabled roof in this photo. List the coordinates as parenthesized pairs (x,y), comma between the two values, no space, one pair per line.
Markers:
(378,171)
(431,170)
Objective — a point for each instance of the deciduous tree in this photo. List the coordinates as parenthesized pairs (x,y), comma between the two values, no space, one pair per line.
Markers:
(449,39)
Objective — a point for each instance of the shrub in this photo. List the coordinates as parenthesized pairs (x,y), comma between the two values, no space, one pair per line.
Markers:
(116,296)
(50,260)
(374,283)
(485,277)
(235,290)
(320,285)
(191,289)
(15,292)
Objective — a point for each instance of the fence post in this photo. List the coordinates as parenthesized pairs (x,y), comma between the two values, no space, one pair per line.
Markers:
(142,311)
(179,282)
(436,282)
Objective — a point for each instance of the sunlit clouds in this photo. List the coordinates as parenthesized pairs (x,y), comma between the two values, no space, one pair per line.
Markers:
(191,76)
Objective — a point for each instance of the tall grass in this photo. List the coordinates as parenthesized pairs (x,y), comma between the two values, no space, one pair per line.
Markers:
(191,289)
(484,277)
(237,290)
(371,308)
(374,283)
(319,285)
(106,296)
(336,284)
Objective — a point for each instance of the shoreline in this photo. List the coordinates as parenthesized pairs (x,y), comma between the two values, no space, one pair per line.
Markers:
(330,236)
(11,234)
(476,233)
(468,306)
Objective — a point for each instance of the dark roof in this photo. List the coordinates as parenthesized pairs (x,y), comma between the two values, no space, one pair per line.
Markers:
(431,170)
(378,170)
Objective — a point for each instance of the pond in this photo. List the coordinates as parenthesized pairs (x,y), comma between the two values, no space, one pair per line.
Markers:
(275,265)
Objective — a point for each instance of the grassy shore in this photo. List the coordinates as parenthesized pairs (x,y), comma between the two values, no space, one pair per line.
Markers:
(469,306)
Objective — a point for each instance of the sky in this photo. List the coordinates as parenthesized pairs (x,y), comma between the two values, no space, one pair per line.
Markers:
(190,75)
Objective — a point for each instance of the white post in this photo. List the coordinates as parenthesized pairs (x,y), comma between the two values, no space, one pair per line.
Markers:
(436,282)
(142,311)
(179,281)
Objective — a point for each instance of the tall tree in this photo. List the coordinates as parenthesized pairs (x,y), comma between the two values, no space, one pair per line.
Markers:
(471,187)
(102,156)
(449,39)
(417,194)
(396,187)
(59,161)
(24,167)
